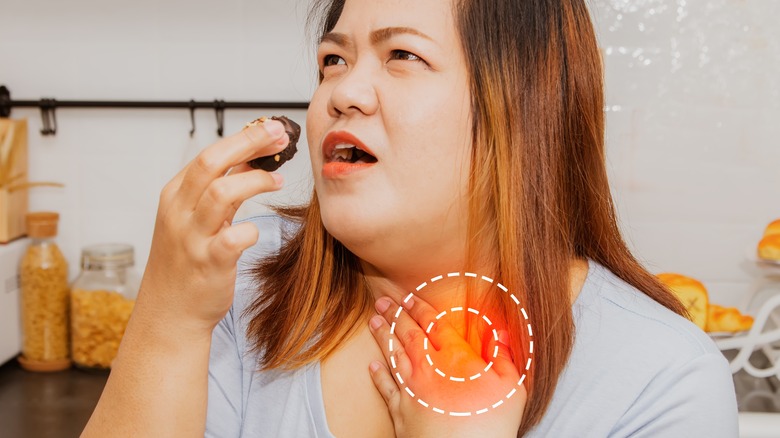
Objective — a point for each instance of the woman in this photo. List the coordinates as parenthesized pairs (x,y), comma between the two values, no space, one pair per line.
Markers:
(481,127)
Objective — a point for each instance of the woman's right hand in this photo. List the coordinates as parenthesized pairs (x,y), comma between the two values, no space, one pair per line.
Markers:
(190,275)
(159,380)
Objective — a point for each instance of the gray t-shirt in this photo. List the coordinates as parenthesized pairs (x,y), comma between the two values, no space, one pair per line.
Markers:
(636,369)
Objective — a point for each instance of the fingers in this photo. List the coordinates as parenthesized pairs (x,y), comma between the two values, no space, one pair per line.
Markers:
(396,353)
(441,333)
(224,195)
(411,334)
(384,383)
(406,329)
(226,248)
(501,356)
(214,161)
(240,168)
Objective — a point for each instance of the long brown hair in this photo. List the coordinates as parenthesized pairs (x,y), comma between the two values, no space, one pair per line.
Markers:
(538,193)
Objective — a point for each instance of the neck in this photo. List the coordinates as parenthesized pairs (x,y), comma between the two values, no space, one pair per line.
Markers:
(440,294)
(448,292)
(436,287)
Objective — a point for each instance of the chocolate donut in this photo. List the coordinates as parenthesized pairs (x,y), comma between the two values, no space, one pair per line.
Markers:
(273,162)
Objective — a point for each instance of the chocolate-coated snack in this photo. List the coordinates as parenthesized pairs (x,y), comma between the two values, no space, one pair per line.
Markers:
(273,162)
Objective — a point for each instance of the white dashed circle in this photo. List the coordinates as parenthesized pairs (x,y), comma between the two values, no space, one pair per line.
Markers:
(498,403)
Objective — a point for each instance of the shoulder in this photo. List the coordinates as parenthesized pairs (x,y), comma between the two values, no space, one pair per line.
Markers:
(615,316)
(235,385)
(634,365)
(272,229)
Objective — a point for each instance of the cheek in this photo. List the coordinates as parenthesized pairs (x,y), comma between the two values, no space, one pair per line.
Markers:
(435,142)
(434,175)
(316,122)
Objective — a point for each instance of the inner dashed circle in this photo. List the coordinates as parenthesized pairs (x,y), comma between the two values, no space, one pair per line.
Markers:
(495,335)
(428,356)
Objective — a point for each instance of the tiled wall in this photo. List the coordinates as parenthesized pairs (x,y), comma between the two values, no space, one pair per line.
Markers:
(693,113)
(693,92)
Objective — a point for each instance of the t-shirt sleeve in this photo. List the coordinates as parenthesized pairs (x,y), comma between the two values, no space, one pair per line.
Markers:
(223,418)
(696,398)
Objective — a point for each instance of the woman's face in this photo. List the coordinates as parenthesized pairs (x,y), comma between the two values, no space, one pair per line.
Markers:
(395,82)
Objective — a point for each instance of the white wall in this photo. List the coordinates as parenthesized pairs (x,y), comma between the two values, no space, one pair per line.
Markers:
(115,162)
(693,92)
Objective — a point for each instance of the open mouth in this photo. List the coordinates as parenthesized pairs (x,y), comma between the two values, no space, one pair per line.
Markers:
(347,153)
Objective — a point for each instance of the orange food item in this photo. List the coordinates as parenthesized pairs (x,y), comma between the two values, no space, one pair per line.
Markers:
(691,293)
(727,319)
(769,247)
(772,228)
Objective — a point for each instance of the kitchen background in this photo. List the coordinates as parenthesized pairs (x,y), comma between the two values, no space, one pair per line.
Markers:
(693,92)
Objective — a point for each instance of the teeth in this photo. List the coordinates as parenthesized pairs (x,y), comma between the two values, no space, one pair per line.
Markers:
(345,154)
(344,151)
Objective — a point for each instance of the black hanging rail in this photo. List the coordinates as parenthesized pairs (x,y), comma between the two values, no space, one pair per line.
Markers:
(48,107)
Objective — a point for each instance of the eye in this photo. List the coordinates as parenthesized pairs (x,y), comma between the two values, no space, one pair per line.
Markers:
(330,60)
(403,55)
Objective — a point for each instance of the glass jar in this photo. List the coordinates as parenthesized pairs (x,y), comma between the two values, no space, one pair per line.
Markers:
(44,296)
(102,299)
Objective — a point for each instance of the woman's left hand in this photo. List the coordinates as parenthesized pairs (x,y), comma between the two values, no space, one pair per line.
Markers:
(434,383)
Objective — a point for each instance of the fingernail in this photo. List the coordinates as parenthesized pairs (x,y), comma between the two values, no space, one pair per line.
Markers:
(375,322)
(273,128)
(374,366)
(503,337)
(408,303)
(382,304)
(278,178)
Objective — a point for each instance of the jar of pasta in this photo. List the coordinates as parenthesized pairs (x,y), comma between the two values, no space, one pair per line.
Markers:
(101,301)
(44,296)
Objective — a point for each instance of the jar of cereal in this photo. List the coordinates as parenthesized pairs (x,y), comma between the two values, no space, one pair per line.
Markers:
(44,296)
(102,299)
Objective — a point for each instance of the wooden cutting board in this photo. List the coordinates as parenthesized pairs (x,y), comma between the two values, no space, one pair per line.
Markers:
(13,178)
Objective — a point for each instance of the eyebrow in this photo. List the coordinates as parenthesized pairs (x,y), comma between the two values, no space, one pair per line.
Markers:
(376,37)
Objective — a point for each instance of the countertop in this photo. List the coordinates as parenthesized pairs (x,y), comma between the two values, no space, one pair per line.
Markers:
(58,405)
(47,405)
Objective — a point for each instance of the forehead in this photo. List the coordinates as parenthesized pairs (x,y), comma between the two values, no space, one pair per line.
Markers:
(431,17)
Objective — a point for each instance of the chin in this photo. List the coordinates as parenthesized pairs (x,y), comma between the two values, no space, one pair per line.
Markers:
(355,228)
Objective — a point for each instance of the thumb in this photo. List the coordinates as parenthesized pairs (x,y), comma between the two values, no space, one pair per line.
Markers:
(501,355)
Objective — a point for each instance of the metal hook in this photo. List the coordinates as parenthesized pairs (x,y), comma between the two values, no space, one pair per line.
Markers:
(192,116)
(5,102)
(219,108)
(53,116)
(48,116)
(44,117)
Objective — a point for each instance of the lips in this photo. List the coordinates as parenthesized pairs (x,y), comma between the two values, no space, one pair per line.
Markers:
(343,154)
(341,146)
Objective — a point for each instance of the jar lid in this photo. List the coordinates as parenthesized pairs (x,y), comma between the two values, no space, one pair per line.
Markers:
(107,255)
(42,224)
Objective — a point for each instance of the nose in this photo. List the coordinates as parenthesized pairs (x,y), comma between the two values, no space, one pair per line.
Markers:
(355,93)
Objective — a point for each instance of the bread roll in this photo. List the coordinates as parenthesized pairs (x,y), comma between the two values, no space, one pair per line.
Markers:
(773,228)
(691,293)
(769,247)
(727,319)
